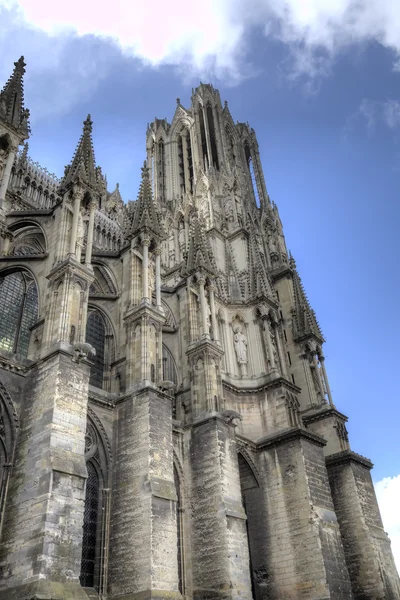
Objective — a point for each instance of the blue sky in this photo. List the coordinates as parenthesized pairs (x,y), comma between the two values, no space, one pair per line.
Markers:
(319,80)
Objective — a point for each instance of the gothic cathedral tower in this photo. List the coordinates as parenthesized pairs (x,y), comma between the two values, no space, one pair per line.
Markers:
(167,428)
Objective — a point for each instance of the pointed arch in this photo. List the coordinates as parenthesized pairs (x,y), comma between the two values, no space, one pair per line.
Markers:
(9,425)
(96,508)
(100,334)
(19,299)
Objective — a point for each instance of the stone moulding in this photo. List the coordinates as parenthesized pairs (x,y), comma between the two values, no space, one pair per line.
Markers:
(288,435)
(348,456)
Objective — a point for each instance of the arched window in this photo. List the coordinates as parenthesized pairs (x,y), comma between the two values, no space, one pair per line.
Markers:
(96,337)
(90,520)
(249,160)
(179,531)
(252,500)
(206,161)
(189,159)
(213,140)
(161,169)
(8,425)
(19,306)
(181,166)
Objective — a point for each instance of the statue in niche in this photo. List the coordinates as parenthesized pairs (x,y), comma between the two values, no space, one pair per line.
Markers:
(171,248)
(181,238)
(240,341)
(80,231)
(152,278)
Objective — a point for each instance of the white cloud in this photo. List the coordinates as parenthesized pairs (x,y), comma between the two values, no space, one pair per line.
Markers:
(388,494)
(214,31)
(391,113)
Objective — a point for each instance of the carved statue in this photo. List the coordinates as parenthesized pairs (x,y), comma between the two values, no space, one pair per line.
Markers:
(80,232)
(240,341)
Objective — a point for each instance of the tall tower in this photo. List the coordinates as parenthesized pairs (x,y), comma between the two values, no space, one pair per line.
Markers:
(167,427)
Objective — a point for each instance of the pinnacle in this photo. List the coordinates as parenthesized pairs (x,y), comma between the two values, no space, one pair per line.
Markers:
(146,218)
(12,110)
(83,166)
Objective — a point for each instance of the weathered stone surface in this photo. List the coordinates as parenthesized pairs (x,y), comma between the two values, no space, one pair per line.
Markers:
(185,457)
(367,547)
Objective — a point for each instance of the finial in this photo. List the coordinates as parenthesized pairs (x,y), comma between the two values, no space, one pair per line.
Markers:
(178,101)
(24,154)
(117,185)
(145,171)
(87,125)
(226,104)
(20,64)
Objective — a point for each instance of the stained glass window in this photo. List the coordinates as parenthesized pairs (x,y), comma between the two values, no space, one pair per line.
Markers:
(19,306)
(90,517)
(95,336)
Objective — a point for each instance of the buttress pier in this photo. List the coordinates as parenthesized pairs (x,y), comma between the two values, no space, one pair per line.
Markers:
(167,428)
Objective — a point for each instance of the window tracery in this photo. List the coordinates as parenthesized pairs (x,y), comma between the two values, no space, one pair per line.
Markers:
(95,336)
(19,302)
(250,164)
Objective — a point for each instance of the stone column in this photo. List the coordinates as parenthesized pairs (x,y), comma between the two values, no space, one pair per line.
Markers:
(6,239)
(158,277)
(145,269)
(205,332)
(7,173)
(75,220)
(40,555)
(89,243)
(220,555)
(215,336)
(328,389)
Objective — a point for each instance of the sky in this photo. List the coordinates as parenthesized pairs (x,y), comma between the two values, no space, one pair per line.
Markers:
(319,80)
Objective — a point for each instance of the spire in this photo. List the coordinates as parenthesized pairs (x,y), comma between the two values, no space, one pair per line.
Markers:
(146,218)
(12,110)
(83,165)
(304,320)
(200,257)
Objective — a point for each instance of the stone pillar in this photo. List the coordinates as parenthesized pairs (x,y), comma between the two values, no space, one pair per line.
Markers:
(89,243)
(143,548)
(75,219)
(6,174)
(328,389)
(6,237)
(205,332)
(214,325)
(40,555)
(158,277)
(367,549)
(145,269)
(300,549)
(220,555)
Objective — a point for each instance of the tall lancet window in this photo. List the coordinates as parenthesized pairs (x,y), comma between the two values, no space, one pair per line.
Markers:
(90,519)
(249,160)
(19,311)
(231,147)
(206,160)
(96,336)
(213,140)
(181,163)
(189,159)
(179,531)
(161,169)
(153,171)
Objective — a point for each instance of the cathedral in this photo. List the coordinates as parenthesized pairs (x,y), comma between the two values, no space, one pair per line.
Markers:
(167,429)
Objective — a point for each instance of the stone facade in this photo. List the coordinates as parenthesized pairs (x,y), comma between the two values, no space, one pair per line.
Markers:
(167,427)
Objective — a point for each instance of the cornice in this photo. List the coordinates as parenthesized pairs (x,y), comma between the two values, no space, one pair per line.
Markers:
(348,456)
(322,413)
(288,435)
(259,386)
